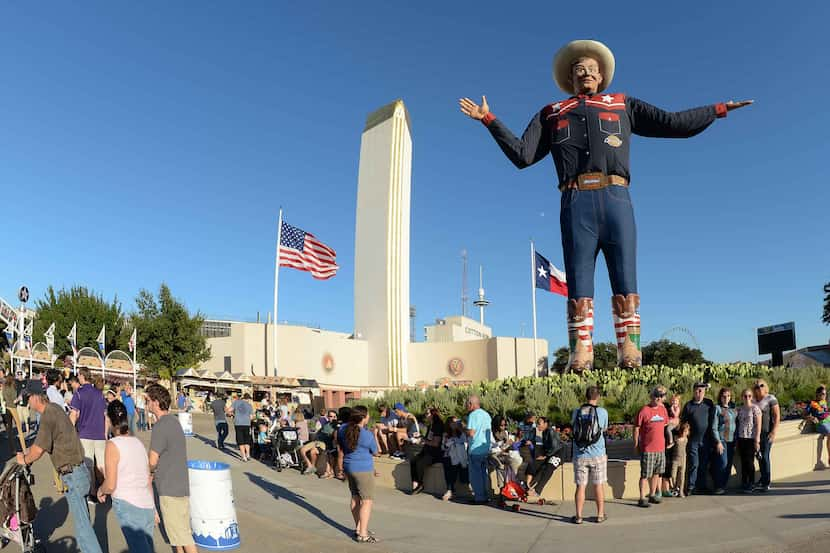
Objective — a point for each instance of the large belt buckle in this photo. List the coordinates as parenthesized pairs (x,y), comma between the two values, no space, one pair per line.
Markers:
(590,181)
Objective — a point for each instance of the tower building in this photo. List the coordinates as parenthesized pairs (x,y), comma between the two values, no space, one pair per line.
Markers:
(381,278)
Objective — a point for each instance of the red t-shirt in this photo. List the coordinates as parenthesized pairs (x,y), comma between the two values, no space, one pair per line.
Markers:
(652,424)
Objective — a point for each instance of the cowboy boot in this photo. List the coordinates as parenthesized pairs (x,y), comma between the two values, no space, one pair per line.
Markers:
(580,332)
(627,327)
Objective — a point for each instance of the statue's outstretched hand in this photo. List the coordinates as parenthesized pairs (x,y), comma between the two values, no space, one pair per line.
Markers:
(730,105)
(471,109)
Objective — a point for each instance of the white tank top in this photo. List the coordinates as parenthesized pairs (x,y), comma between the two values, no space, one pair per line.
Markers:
(133,485)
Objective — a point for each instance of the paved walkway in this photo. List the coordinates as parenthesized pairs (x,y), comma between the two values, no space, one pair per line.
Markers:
(302,514)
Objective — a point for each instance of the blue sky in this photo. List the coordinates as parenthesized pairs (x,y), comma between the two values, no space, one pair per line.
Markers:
(150,142)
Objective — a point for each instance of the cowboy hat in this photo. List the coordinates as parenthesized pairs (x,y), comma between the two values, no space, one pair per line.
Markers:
(564,58)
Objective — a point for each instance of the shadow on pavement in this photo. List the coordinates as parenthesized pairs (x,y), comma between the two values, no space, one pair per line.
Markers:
(99,523)
(212,443)
(806,516)
(51,516)
(63,545)
(282,493)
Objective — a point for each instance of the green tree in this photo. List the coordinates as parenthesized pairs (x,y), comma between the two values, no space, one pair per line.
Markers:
(86,308)
(826,316)
(605,357)
(560,359)
(671,354)
(169,337)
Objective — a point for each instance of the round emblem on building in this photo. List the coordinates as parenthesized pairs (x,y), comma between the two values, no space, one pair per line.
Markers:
(328,362)
(455,366)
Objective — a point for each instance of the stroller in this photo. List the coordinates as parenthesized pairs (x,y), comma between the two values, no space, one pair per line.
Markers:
(285,446)
(17,509)
(513,491)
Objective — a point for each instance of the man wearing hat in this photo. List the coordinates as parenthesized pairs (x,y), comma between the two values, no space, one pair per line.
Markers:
(58,438)
(699,412)
(588,135)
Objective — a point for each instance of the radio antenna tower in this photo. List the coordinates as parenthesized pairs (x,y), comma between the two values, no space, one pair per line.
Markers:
(464,296)
(481,302)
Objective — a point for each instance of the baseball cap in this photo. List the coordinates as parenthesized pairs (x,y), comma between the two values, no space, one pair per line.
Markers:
(400,407)
(33,388)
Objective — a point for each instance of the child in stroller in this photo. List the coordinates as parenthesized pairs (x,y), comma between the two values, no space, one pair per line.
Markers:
(285,445)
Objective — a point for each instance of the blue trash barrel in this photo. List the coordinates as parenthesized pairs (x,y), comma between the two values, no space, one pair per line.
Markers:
(212,511)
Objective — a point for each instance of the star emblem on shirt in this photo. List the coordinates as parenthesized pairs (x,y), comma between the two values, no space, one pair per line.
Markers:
(557,106)
(607,98)
(542,272)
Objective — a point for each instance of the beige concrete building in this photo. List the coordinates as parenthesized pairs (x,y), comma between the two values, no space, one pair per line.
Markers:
(340,363)
(456,329)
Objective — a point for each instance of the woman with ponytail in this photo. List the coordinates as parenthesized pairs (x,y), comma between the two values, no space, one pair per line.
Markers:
(359,446)
(128,481)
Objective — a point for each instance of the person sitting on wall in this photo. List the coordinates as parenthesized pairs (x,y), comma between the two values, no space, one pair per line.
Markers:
(323,442)
(404,431)
(546,458)
(384,432)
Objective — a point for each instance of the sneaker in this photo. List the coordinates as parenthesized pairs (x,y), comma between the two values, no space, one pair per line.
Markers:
(308,470)
(417,489)
(719,491)
(760,489)
(643,503)
(668,494)
(447,496)
(655,499)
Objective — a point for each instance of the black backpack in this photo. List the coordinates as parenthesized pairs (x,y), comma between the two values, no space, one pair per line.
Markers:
(587,430)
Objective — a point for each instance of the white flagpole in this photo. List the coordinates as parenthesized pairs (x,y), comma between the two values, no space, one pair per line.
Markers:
(533,296)
(135,356)
(104,354)
(276,287)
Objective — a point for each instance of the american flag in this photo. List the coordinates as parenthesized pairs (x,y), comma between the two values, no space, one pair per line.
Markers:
(301,250)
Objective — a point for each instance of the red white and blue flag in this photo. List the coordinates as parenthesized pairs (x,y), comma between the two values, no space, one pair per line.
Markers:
(301,250)
(549,278)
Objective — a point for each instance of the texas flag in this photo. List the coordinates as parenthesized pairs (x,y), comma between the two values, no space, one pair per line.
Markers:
(549,278)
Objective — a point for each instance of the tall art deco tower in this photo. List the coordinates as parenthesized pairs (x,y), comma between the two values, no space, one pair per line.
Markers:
(381,275)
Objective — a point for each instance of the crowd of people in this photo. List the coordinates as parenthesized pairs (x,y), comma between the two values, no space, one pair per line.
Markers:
(90,436)
(683,449)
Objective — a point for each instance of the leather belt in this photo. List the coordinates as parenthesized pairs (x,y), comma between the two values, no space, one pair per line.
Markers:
(594,181)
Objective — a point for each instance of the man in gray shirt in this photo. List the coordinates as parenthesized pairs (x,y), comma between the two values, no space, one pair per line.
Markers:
(168,469)
(220,420)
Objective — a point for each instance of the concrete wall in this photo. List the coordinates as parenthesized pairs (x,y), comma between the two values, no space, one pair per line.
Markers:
(793,453)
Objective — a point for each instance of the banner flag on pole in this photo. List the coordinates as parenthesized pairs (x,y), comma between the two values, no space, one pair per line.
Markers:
(102,338)
(131,343)
(27,333)
(73,338)
(301,250)
(49,335)
(549,278)
(9,332)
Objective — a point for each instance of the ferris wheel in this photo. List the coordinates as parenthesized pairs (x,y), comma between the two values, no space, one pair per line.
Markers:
(680,334)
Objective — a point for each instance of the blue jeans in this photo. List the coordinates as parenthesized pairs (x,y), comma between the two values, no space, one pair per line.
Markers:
(77,484)
(764,461)
(137,525)
(698,463)
(221,434)
(142,424)
(131,423)
(478,476)
(598,220)
(722,465)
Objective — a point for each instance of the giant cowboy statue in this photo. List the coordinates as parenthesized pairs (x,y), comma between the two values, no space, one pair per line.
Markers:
(588,135)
